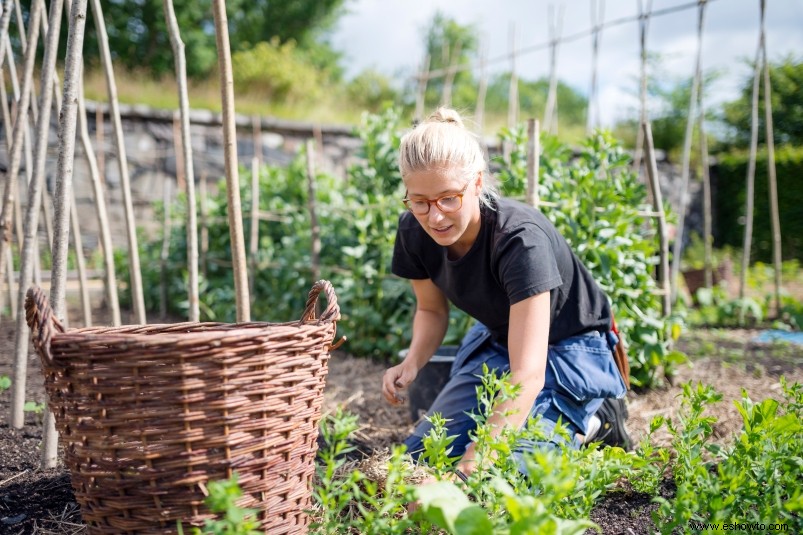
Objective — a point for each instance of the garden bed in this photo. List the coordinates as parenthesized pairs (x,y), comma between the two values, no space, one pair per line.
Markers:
(36,501)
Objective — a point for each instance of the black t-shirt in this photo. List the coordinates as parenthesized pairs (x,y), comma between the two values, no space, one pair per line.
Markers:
(518,253)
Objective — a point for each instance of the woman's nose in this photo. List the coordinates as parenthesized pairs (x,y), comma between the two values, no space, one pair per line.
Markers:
(435,215)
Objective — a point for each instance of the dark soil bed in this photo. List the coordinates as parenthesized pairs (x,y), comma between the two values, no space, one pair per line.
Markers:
(41,501)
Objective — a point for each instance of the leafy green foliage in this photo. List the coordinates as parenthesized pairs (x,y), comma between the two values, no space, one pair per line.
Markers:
(786,77)
(598,209)
(34,407)
(5,382)
(235,520)
(755,480)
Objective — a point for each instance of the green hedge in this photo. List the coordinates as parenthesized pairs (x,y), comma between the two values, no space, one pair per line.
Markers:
(730,202)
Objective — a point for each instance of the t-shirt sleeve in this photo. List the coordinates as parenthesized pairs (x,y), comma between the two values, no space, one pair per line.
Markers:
(405,262)
(526,263)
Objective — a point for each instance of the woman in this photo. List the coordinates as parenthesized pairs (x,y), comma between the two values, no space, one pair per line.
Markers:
(539,313)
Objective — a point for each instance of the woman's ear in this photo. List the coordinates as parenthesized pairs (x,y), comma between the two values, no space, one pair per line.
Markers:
(478,183)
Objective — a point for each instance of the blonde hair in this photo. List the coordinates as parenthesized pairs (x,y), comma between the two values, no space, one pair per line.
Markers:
(442,141)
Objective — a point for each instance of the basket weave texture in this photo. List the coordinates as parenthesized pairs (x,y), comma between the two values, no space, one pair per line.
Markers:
(148,415)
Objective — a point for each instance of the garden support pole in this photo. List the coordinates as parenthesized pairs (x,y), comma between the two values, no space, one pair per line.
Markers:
(482,91)
(555,29)
(658,206)
(5,19)
(253,241)
(20,124)
(451,72)
(64,171)
(533,155)
(751,165)
(111,85)
(235,210)
(644,23)
(421,92)
(315,228)
(677,246)
(164,255)
(771,175)
(110,276)
(35,187)
(709,278)
(597,15)
(186,150)
(204,245)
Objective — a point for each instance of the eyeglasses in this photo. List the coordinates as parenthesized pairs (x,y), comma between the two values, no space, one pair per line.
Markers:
(451,202)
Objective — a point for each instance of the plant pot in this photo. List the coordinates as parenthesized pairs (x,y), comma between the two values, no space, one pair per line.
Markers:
(430,381)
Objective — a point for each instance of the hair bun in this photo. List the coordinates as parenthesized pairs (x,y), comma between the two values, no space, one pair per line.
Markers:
(446,115)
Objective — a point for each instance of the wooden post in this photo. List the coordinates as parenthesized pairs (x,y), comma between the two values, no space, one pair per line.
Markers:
(773,181)
(5,19)
(100,142)
(67,128)
(551,112)
(751,170)
(110,277)
(677,247)
(533,155)
(708,264)
(420,96)
(644,23)
(164,255)
(15,155)
(230,154)
(597,16)
(204,226)
(481,94)
(253,245)
(186,152)
(658,206)
(111,85)
(451,72)
(314,227)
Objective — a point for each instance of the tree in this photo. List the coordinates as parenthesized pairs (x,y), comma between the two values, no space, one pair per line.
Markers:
(449,43)
(786,77)
(139,38)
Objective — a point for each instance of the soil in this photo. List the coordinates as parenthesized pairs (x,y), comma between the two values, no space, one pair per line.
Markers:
(41,501)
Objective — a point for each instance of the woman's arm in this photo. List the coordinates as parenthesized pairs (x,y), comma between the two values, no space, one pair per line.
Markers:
(429,327)
(528,336)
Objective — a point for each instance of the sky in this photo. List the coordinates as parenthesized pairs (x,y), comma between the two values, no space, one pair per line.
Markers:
(387,35)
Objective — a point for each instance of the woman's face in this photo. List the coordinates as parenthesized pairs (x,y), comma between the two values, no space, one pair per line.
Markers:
(454,230)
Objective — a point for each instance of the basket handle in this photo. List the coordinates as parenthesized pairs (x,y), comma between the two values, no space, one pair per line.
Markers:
(41,320)
(332,312)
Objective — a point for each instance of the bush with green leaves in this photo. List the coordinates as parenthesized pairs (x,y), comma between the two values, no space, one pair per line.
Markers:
(756,480)
(598,205)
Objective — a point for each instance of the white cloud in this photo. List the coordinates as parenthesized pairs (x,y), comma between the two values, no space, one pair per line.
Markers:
(388,35)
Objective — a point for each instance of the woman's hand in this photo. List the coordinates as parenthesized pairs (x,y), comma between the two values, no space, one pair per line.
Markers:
(395,380)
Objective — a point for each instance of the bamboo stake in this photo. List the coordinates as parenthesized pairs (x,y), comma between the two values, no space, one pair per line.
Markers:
(6,123)
(80,263)
(658,206)
(422,90)
(230,153)
(513,89)
(17,139)
(29,241)
(165,252)
(311,198)
(751,166)
(204,225)
(773,180)
(644,23)
(481,95)
(551,112)
(256,133)
(133,249)
(677,247)
(64,171)
(709,278)
(186,145)
(100,142)
(454,64)
(110,276)
(5,19)
(253,244)
(533,156)
(597,16)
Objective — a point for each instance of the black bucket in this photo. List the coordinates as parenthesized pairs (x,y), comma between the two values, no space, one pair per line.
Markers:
(430,381)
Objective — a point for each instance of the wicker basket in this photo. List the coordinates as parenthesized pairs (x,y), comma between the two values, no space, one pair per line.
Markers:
(148,415)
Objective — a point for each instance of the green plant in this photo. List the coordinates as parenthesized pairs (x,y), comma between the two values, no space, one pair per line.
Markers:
(753,481)
(598,206)
(715,308)
(5,382)
(34,407)
(222,499)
